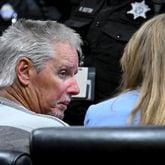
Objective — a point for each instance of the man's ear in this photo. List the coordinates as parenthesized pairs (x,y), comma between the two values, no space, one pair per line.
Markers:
(23,70)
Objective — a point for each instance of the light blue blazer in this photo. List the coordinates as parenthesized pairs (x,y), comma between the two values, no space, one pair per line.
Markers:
(114,111)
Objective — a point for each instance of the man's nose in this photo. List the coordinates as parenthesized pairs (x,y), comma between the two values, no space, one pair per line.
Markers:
(74,88)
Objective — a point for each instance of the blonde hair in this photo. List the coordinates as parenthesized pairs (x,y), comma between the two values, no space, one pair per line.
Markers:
(143,65)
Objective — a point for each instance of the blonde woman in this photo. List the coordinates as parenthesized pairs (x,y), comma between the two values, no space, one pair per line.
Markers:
(142,100)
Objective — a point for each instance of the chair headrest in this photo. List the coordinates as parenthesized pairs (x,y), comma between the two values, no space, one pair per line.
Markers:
(9,157)
(45,143)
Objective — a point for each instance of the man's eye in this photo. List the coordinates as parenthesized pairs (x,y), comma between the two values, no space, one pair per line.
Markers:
(63,73)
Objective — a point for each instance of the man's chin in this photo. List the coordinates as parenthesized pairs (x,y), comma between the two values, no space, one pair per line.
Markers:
(60,116)
(57,114)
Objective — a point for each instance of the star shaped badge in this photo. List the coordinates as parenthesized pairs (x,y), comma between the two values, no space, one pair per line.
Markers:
(139,9)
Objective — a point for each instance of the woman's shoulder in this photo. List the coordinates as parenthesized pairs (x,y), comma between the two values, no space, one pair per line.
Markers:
(127,96)
(122,103)
(113,111)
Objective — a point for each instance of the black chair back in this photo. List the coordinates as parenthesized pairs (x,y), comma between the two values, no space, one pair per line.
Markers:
(104,144)
(8,157)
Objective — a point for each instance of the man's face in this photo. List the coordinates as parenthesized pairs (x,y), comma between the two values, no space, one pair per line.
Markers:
(56,83)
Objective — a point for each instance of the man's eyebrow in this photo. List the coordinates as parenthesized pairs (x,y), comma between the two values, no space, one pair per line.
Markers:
(69,67)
